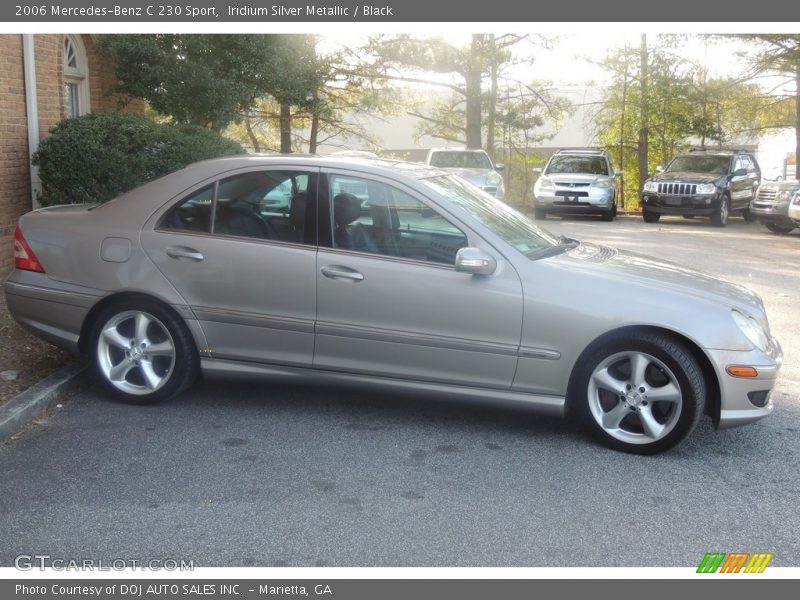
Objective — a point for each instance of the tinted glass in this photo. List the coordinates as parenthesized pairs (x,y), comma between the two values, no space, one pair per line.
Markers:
(592,165)
(460,160)
(370,216)
(193,213)
(697,163)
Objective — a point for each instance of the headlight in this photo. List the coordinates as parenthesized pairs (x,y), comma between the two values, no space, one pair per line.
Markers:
(706,188)
(545,183)
(796,199)
(786,195)
(603,184)
(650,186)
(493,179)
(752,330)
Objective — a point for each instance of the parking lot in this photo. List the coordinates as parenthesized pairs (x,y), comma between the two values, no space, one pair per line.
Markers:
(243,474)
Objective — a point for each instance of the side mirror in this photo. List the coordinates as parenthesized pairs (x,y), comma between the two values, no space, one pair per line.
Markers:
(499,167)
(618,173)
(537,170)
(740,173)
(659,169)
(475,261)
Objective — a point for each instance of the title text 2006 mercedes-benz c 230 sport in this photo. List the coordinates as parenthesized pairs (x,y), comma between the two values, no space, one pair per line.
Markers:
(391,275)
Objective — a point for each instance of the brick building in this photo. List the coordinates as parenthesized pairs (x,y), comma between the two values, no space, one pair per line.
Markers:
(44,79)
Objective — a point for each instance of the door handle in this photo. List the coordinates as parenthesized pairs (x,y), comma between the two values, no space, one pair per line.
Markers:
(178,252)
(338,272)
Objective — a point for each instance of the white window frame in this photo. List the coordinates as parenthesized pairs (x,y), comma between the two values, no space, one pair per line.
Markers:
(77,74)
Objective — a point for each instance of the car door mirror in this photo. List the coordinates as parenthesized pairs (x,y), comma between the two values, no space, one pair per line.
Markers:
(659,169)
(499,167)
(475,261)
(619,173)
(537,170)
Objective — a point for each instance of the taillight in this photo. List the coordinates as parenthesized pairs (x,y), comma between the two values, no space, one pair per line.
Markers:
(23,255)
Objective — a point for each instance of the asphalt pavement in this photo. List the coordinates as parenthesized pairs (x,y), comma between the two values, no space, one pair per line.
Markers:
(245,474)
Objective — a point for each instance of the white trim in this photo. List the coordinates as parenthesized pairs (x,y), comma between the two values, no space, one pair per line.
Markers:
(31,112)
(79,75)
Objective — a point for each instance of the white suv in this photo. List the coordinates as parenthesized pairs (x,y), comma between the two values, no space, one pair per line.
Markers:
(576,181)
(473,165)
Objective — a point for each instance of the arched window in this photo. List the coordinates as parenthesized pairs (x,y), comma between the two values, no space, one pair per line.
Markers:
(76,77)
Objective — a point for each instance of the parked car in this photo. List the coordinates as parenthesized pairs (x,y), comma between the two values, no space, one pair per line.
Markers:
(773,202)
(576,182)
(703,183)
(473,165)
(428,286)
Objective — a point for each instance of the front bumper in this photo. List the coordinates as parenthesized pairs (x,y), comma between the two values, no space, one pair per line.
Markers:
(573,201)
(736,406)
(667,204)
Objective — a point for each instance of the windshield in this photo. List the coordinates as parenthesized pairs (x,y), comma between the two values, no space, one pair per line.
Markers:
(513,227)
(713,165)
(592,165)
(460,160)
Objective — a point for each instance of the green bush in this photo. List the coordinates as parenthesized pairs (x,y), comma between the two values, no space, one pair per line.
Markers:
(96,157)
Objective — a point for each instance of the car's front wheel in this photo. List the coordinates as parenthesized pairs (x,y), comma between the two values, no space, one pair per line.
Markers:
(539,214)
(641,393)
(778,228)
(143,352)
(719,217)
(650,216)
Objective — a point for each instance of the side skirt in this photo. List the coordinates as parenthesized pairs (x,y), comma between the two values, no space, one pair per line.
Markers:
(218,369)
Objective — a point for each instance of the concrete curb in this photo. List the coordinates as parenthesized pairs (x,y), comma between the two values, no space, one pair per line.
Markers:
(26,406)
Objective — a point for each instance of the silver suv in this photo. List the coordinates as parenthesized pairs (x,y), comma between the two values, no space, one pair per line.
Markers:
(576,181)
(775,205)
(473,165)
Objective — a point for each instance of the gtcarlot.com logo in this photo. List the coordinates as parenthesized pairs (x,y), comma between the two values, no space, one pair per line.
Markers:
(735,562)
(28,562)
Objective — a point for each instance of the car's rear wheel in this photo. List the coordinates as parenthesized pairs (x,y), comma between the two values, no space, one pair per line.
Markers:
(143,352)
(539,214)
(777,228)
(650,216)
(719,217)
(642,393)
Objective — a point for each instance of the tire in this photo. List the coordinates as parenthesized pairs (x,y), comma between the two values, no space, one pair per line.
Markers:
(608,394)
(781,229)
(719,218)
(650,217)
(142,351)
(749,216)
(608,215)
(539,214)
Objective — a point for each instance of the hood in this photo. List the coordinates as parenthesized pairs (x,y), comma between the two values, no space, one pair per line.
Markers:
(686,177)
(652,274)
(781,186)
(575,177)
(473,175)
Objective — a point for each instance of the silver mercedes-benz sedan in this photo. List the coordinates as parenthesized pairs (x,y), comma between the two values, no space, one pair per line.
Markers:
(391,275)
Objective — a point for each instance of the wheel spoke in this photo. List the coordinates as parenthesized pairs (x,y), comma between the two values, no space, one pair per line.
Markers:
(115,338)
(151,378)
(639,364)
(142,323)
(613,418)
(604,380)
(652,428)
(164,348)
(665,393)
(119,371)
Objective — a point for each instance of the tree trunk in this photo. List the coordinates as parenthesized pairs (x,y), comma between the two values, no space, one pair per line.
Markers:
(644,131)
(286,128)
(312,138)
(796,124)
(251,134)
(622,135)
(492,100)
(473,93)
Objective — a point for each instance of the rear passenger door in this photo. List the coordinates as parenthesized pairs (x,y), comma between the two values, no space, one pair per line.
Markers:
(242,253)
